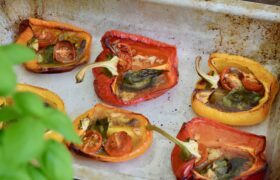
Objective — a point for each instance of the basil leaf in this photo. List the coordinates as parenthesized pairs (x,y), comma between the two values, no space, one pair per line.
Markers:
(3,165)
(23,139)
(35,173)
(8,113)
(47,55)
(15,174)
(240,99)
(56,161)
(16,53)
(29,103)
(139,80)
(61,123)
(101,125)
(7,78)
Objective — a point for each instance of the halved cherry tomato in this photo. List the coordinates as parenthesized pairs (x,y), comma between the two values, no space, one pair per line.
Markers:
(92,141)
(250,82)
(45,37)
(230,78)
(119,144)
(64,52)
(123,51)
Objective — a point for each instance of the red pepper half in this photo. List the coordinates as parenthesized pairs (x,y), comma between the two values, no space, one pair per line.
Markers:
(214,135)
(130,48)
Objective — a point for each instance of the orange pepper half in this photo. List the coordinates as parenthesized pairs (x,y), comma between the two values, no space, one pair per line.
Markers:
(49,33)
(125,128)
(217,63)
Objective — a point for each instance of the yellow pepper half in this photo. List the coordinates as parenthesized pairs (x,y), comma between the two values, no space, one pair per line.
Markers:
(217,62)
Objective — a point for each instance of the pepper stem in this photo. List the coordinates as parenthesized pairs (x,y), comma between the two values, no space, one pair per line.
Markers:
(213,80)
(188,149)
(111,65)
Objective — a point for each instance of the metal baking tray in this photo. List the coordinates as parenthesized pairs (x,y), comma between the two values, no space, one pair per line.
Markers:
(196,27)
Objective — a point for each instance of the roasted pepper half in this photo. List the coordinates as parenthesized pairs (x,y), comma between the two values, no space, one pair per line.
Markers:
(111,134)
(226,153)
(59,47)
(50,99)
(237,91)
(132,68)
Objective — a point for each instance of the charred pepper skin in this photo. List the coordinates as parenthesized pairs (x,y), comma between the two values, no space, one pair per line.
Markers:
(26,34)
(219,61)
(209,133)
(102,83)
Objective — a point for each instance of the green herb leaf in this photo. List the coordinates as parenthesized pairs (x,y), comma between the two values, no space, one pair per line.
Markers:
(33,43)
(16,53)
(138,80)
(15,174)
(29,103)
(59,122)
(7,78)
(240,99)
(8,113)
(35,173)
(22,141)
(56,161)
(2,163)
(47,55)
(101,126)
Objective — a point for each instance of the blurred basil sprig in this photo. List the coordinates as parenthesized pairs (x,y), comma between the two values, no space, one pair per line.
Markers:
(24,152)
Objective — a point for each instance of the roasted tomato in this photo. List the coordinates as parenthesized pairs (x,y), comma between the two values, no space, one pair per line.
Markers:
(231,78)
(91,142)
(226,153)
(59,47)
(238,91)
(132,69)
(250,82)
(45,37)
(124,134)
(64,52)
(119,144)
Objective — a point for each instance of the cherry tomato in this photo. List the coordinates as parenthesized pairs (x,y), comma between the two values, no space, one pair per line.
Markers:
(250,82)
(92,141)
(123,51)
(231,78)
(45,38)
(64,52)
(119,144)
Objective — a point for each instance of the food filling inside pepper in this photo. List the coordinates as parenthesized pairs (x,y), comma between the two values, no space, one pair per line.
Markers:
(112,134)
(139,68)
(232,90)
(223,164)
(55,46)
